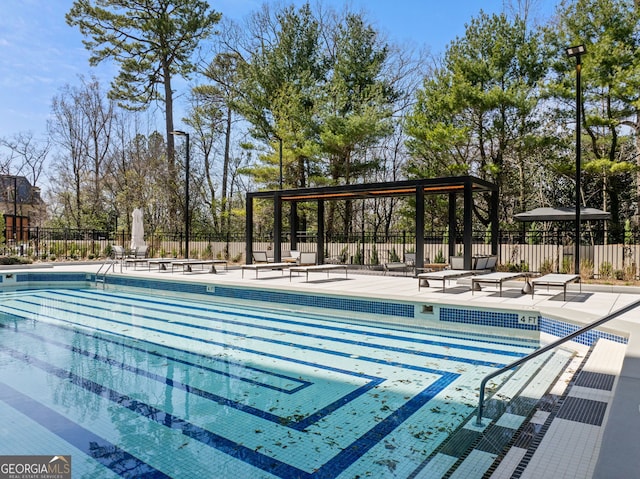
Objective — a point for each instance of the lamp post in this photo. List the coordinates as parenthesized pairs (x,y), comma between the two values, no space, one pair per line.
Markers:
(186,192)
(577,52)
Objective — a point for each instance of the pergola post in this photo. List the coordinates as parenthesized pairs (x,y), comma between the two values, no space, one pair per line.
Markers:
(419,226)
(495,226)
(277,228)
(453,228)
(293,224)
(467,235)
(248,228)
(320,236)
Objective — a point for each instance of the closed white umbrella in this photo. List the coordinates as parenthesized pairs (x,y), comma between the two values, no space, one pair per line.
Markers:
(137,230)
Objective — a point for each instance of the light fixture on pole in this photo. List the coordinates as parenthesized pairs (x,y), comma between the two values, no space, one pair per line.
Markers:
(186,192)
(577,52)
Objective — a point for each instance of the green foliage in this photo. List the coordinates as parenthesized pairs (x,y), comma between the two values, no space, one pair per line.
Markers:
(439,257)
(393,256)
(567,266)
(546,266)
(151,41)
(606,270)
(374,255)
(586,269)
(357,258)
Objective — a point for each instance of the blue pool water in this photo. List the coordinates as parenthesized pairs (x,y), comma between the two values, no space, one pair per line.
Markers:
(143,386)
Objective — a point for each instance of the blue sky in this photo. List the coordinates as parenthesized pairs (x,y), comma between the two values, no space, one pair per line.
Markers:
(40,53)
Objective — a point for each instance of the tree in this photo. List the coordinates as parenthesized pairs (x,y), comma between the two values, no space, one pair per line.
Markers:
(81,126)
(611,100)
(30,153)
(280,72)
(478,112)
(152,41)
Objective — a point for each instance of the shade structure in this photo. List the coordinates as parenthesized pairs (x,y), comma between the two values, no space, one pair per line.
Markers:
(137,229)
(562,213)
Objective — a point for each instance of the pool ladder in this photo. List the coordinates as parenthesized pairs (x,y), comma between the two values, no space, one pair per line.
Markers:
(103,270)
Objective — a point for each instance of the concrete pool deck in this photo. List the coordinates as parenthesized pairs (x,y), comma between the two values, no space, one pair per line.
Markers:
(615,444)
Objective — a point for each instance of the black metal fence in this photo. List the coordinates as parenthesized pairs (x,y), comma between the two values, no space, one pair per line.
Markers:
(532,250)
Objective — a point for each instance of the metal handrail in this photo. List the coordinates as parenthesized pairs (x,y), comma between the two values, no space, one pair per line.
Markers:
(109,263)
(543,350)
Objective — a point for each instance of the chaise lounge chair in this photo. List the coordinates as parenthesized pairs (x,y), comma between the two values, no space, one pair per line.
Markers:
(555,279)
(493,278)
(307,263)
(444,276)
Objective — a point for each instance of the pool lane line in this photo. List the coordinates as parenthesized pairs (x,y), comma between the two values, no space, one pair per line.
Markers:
(299,425)
(411,352)
(346,457)
(302,382)
(88,442)
(305,422)
(94,296)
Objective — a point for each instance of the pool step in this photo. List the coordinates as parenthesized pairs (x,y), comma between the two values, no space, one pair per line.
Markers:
(562,439)
(472,450)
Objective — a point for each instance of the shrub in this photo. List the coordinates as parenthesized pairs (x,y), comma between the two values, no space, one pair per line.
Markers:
(629,273)
(8,260)
(374,255)
(606,270)
(439,257)
(567,266)
(586,269)
(546,267)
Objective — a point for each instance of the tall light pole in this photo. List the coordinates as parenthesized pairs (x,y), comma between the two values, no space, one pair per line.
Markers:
(186,193)
(577,52)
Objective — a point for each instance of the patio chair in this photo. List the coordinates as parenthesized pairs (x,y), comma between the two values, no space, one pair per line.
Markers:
(261,257)
(306,258)
(118,252)
(444,276)
(555,279)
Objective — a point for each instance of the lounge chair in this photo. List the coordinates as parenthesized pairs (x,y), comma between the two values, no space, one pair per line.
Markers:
(261,257)
(316,267)
(188,264)
(555,279)
(408,264)
(118,252)
(444,276)
(306,259)
(139,256)
(268,266)
(493,278)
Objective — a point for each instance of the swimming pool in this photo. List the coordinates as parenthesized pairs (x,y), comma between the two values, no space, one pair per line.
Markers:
(139,385)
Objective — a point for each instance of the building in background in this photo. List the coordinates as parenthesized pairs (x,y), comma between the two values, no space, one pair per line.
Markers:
(22,207)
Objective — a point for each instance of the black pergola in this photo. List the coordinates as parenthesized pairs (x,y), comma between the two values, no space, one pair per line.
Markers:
(465,186)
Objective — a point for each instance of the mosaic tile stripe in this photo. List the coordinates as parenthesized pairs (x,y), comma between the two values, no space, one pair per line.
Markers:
(561,329)
(479,317)
(328,470)
(327,302)
(169,420)
(255,319)
(74,434)
(50,277)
